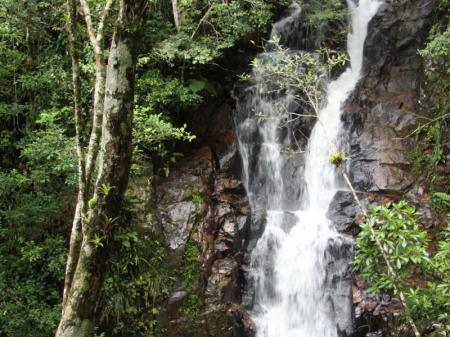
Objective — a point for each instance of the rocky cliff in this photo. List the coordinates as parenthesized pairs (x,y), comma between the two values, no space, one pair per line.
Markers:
(203,200)
(380,114)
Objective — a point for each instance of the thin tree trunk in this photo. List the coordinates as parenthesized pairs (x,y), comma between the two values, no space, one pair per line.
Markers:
(75,238)
(74,251)
(176,14)
(114,166)
(97,112)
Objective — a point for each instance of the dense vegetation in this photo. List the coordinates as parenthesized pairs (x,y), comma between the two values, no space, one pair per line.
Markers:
(38,157)
(177,54)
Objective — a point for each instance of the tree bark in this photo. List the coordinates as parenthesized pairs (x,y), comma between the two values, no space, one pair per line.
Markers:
(176,14)
(103,213)
(75,237)
(85,163)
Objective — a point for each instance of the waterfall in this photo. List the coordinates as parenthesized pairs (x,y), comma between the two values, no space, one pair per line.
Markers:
(290,265)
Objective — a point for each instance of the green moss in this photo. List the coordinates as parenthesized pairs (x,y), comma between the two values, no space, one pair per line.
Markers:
(198,197)
(337,158)
(190,275)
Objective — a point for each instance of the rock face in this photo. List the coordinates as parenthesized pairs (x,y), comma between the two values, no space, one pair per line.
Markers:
(203,199)
(379,115)
(381,111)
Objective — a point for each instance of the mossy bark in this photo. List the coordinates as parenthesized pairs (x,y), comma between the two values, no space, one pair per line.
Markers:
(113,170)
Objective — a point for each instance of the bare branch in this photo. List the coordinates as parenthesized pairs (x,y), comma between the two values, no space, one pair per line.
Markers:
(421,127)
(201,21)
(91,31)
(101,25)
(99,89)
(97,113)
(75,241)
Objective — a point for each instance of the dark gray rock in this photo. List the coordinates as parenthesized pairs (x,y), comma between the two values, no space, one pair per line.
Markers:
(381,111)
(378,115)
(342,212)
(339,282)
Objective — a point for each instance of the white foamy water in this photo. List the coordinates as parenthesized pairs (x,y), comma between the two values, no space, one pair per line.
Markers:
(290,263)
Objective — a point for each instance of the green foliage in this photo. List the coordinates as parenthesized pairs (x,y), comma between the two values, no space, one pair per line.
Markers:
(160,98)
(37,166)
(328,20)
(34,208)
(48,152)
(192,267)
(209,28)
(32,71)
(190,281)
(31,267)
(139,280)
(198,197)
(424,278)
(163,94)
(441,201)
(151,133)
(303,74)
(432,139)
(38,160)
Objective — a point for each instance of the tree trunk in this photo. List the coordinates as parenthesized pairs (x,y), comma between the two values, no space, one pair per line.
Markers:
(114,165)
(176,14)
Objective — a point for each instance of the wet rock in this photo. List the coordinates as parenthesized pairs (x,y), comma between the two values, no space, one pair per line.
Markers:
(292,173)
(339,281)
(216,215)
(373,315)
(225,151)
(179,199)
(243,325)
(378,115)
(419,196)
(343,211)
(381,111)
(175,220)
(177,296)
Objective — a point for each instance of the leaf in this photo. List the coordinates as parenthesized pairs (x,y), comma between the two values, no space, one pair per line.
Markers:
(196,85)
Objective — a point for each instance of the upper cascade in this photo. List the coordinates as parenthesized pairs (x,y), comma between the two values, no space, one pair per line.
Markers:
(294,272)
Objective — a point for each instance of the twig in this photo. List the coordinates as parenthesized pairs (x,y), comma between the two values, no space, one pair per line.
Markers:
(201,21)
(424,125)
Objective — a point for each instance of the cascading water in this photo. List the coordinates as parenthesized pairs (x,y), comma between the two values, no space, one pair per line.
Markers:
(290,265)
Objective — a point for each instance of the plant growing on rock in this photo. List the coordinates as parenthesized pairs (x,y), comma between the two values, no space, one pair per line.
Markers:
(337,158)
(407,248)
(303,74)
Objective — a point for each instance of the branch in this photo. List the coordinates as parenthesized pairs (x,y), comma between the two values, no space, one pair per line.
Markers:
(76,236)
(91,31)
(99,89)
(97,113)
(383,252)
(76,83)
(425,125)
(380,247)
(101,25)
(201,21)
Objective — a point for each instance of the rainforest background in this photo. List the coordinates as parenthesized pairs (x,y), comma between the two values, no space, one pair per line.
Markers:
(187,58)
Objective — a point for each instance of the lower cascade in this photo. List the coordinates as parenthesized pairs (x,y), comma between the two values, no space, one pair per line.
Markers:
(294,272)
